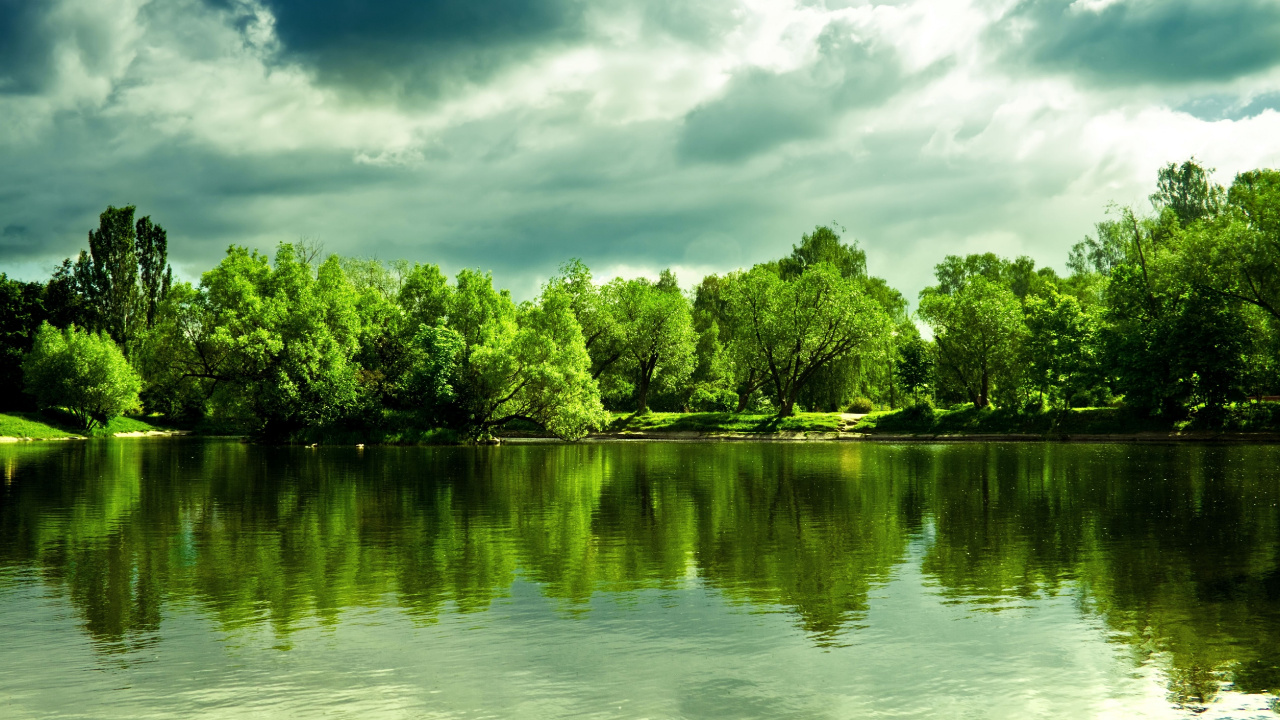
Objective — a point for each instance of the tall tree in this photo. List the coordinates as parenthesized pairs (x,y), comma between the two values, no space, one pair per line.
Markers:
(792,329)
(976,327)
(154,273)
(654,333)
(743,375)
(593,310)
(1187,191)
(122,278)
(109,273)
(824,245)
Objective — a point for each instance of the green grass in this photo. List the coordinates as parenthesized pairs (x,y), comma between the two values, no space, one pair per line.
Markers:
(1078,421)
(708,422)
(57,424)
(17,425)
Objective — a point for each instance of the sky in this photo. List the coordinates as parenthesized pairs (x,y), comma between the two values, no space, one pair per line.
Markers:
(512,135)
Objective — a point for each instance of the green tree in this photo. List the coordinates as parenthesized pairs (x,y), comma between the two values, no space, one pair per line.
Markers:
(1061,347)
(424,295)
(21,313)
(792,329)
(1187,191)
(655,334)
(154,274)
(593,309)
(914,365)
(824,245)
(122,278)
(283,339)
(743,376)
(523,362)
(81,371)
(977,327)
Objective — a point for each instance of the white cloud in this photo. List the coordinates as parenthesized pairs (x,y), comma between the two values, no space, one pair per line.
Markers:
(573,151)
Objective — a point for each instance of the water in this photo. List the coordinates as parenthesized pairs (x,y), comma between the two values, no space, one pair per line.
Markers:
(205,579)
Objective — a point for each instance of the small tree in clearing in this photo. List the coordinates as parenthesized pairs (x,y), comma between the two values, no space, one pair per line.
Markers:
(81,371)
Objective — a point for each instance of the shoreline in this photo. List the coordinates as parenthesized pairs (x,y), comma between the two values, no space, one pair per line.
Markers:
(11,439)
(688,436)
(1210,437)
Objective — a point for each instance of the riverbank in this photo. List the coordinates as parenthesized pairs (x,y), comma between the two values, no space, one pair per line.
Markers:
(23,427)
(1257,423)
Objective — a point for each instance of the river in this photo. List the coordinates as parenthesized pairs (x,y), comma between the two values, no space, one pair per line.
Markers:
(187,578)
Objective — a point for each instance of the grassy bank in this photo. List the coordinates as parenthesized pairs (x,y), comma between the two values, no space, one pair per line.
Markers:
(725,423)
(53,425)
(1079,421)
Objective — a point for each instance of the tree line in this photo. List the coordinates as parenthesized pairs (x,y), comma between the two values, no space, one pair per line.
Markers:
(1169,312)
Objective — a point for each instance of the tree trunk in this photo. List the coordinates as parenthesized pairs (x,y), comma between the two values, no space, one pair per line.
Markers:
(983,401)
(787,408)
(743,399)
(642,394)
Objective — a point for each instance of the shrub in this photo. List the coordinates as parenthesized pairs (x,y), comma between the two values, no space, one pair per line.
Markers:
(861,406)
(81,371)
(706,399)
(921,412)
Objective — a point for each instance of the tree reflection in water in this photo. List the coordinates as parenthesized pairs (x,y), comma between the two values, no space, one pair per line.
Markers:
(1174,547)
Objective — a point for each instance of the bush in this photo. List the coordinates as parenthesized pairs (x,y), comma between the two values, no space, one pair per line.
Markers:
(921,412)
(861,406)
(81,371)
(705,399)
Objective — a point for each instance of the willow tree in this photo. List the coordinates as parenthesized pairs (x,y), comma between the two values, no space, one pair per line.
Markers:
(791,329)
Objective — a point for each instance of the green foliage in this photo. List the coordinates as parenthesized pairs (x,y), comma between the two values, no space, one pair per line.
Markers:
(81,371)
(655,335)
(824,245)
(1060,348)
(123,276)
(435,382)
(914,365)
(527,362)
(1187,192)
(792,329)
(280,340)
(21,313)
(861,406)
(716,422)
(978,329)
(1175,313)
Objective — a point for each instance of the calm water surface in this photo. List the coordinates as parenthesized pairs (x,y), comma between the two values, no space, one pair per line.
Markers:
(200,579)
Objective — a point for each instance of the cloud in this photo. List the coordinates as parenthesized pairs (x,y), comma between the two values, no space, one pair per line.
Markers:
(760,110)
(637,134)
(404,48)
(1121,42)
(25,48)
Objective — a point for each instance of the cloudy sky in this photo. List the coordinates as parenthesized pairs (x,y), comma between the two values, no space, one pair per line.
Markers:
(636,134)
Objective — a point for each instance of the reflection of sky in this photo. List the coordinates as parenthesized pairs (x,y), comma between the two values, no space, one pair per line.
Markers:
(675,653)
(636,134)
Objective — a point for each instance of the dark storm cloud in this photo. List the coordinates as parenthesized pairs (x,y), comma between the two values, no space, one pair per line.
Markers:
(760,110)
(1145,41)
(25,46)
(414,46)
